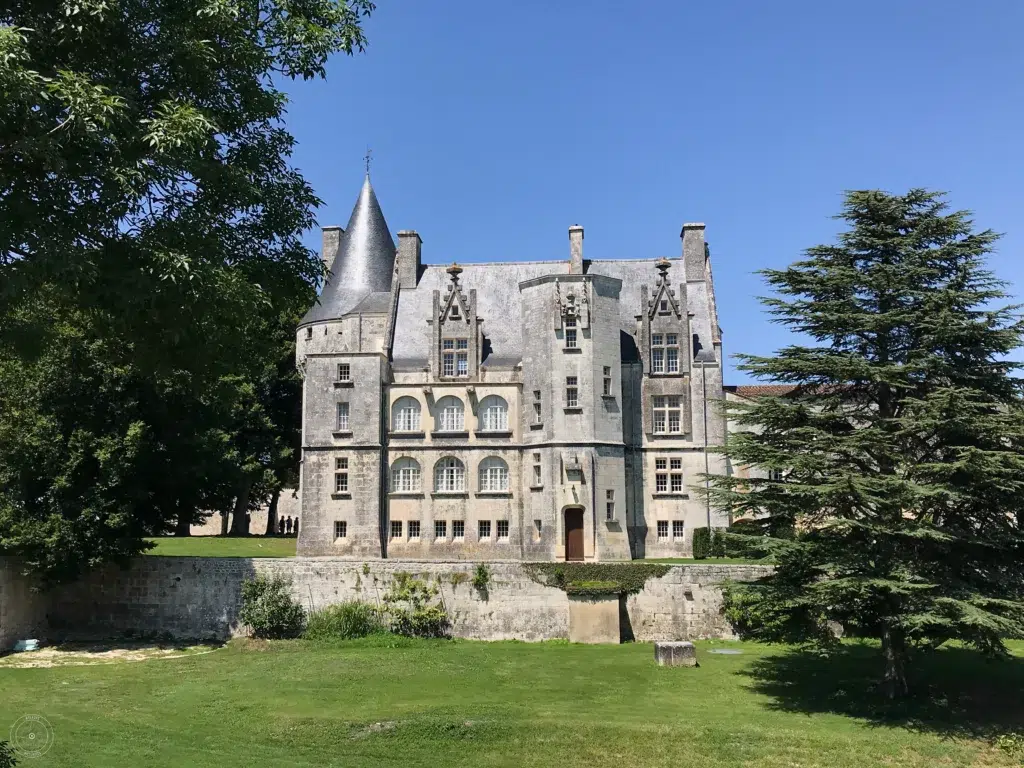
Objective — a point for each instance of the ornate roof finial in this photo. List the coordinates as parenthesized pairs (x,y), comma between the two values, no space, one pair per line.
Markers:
(663,266)
(367,158)
(454,270)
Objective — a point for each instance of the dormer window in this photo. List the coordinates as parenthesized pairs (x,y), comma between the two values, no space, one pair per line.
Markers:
(455,357)
(664,306)
(570,333)
(664,353)
(455,311)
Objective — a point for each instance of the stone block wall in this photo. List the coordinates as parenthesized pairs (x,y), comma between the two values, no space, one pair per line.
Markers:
(188,597)
(22,610)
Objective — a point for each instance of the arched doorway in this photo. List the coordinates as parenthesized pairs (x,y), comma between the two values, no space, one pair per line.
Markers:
(574,534)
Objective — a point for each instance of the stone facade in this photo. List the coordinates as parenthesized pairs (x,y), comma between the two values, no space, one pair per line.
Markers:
(494,411)
(191,597)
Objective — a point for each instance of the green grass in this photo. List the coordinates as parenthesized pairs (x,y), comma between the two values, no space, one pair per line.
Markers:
(224,546)
(389,702)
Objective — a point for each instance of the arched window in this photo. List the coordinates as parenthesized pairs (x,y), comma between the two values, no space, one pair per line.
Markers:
(450,415)
(449,475)
(405,475)
(405,415)
(493,414)
(493,474)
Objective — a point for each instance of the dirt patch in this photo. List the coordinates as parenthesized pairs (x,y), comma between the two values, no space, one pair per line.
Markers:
(79,655)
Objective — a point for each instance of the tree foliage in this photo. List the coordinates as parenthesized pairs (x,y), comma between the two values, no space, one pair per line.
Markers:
(151,266)
(899,446)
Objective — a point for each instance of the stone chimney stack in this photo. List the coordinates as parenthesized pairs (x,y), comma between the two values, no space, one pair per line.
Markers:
(331,240)
(693,252)
(408,259)
(575,250)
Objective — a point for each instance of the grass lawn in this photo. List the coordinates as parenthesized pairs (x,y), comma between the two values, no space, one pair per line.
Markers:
(224,546)
(442,703)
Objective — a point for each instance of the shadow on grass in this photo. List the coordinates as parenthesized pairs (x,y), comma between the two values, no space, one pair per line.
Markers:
(954,691)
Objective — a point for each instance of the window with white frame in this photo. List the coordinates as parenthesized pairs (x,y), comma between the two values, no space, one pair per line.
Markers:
(775,474)
(441,529)
(667,414)
(448,357)
(570,333)
(607,381)
(483,529)
(664,353)
(537,476)
(657,353)
(405,415)
(341,474)
(449,475)
(572,392)
(414,530)
(678,530)
(340,529)
(396,530)
(458,530)
(342,425)
(671,353)
(450,415)
(462,357)
(663,530)
(609,504)
(344,372)
(660,476)
(493,412)
(405,476)
(502,526)
(537,418)
(676,475)
(493,475)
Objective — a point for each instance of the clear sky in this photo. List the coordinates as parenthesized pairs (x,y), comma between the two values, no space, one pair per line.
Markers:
(496,125)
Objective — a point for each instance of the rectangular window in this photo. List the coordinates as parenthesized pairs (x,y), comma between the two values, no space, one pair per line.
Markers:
(665,353)
(441,529)
(677,464)
(664,305)
(396,529)
(461,364)
(661,483)
(677,483)
(343,417)
(462,343)
(667,414)
(341,475)
(776,475)
(660,464)
(607,380)
(414,530)
(344,372)
(340,529)
(657,360)
(538,526)
(678,531)
(537,482)
(458,530)
(570,338)
(448,359)
(572,393)
(483,528)
(659,414)
(671,340)
(674,414)
(656,340)
(609,504)
(663,530)
(502,530)
(672,360)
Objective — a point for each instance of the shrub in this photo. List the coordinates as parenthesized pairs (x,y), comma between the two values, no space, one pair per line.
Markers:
(344,621)
(410,611)
(701,543)
(718,542)
(481,577)
(268,609)
(7,756)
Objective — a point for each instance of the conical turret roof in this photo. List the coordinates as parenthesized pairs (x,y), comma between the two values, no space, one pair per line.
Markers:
(364,264)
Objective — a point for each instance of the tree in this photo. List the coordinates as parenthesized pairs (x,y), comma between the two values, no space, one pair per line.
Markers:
(148,212)
(900,446)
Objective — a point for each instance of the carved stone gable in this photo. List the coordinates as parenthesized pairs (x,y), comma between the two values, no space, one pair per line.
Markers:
(572,302)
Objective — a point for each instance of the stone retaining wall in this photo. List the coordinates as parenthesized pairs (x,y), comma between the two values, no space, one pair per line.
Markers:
(196,597)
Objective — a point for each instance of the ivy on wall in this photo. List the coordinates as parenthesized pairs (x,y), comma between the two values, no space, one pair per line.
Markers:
(595,578)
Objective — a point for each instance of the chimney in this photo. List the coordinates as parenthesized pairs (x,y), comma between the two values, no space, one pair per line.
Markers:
(693,252)
(331,240)
(408,260)
(575,250)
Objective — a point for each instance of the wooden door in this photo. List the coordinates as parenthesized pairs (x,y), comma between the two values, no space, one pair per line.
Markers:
(574,534)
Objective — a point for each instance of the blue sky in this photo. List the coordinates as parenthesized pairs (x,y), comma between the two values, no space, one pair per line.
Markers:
(496,125)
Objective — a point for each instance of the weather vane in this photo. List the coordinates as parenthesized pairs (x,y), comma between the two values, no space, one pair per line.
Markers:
(367,157)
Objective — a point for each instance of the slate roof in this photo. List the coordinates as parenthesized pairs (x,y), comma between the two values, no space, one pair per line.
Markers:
(364,263)
(499,304)
(761,390)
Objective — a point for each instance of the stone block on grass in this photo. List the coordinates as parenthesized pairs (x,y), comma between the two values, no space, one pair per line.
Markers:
(675,654)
